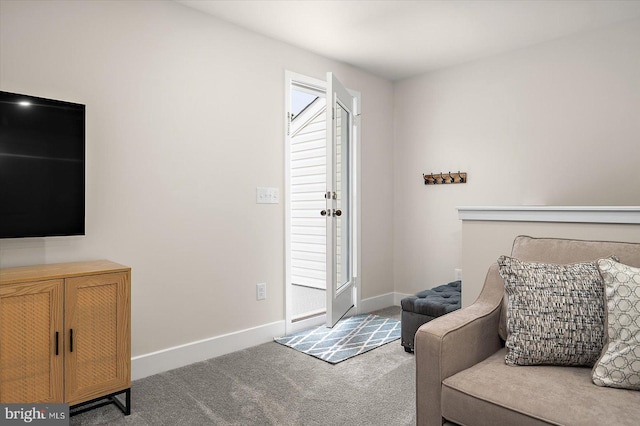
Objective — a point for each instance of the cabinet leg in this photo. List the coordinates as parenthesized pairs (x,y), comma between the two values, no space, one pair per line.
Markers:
(104,400)
(126,408)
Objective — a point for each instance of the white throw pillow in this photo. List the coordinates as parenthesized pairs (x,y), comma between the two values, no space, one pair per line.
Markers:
(619,365)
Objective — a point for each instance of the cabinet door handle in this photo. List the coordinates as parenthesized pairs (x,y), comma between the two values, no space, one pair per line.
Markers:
(71,340)
(57,343)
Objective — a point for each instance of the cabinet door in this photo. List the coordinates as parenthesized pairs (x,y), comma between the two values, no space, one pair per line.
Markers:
(30,334)
(97,326)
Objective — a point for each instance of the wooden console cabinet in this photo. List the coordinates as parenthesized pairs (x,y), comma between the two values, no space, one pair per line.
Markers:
(65,333)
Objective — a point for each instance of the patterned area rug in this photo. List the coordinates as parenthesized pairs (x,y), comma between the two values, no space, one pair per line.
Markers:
(349,337)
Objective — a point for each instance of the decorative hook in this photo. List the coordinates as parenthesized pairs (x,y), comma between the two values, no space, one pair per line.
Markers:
(438,178)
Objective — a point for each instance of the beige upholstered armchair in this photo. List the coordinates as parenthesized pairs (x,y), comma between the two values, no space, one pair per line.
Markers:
(462,377)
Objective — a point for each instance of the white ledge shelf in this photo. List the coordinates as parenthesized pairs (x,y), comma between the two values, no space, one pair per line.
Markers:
(573,214)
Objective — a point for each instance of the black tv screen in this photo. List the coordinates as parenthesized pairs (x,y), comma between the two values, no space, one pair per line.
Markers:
(42,167)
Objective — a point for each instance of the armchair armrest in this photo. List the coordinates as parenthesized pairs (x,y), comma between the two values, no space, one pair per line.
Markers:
(454,342)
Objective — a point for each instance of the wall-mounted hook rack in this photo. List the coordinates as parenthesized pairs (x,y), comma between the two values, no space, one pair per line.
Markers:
(439,178)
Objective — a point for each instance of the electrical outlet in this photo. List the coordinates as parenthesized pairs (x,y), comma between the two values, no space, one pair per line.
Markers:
(261,291)
(457,274)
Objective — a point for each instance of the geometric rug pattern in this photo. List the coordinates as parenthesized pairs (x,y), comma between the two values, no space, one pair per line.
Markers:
(349,337)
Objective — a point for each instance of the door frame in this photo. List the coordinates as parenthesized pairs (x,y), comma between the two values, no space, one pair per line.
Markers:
(292,78)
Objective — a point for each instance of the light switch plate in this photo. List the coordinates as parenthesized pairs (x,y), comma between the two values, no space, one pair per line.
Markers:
(265,195)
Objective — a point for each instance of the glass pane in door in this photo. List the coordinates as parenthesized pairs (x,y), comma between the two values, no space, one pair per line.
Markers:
(342,213)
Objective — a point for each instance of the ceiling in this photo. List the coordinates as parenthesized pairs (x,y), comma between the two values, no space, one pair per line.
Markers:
(400,39)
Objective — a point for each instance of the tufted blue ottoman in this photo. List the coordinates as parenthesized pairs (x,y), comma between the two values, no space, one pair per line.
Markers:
(425,306)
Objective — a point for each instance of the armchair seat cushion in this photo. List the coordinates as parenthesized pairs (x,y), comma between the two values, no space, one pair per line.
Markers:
(532,395)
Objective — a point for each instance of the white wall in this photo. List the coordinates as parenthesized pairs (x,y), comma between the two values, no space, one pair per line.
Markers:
(184,120)
(484,241)
(552,124)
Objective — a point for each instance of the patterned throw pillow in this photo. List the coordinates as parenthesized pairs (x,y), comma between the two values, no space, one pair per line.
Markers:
(619,366)
(555,313)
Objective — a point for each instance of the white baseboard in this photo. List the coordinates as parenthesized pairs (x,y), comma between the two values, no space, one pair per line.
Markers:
(397,297)
(376,302)
(189,353)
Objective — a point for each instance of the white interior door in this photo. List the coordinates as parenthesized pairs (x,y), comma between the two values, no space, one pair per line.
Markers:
(340,198)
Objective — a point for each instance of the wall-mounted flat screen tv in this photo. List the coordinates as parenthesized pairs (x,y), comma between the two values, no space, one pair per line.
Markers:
(42,167)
